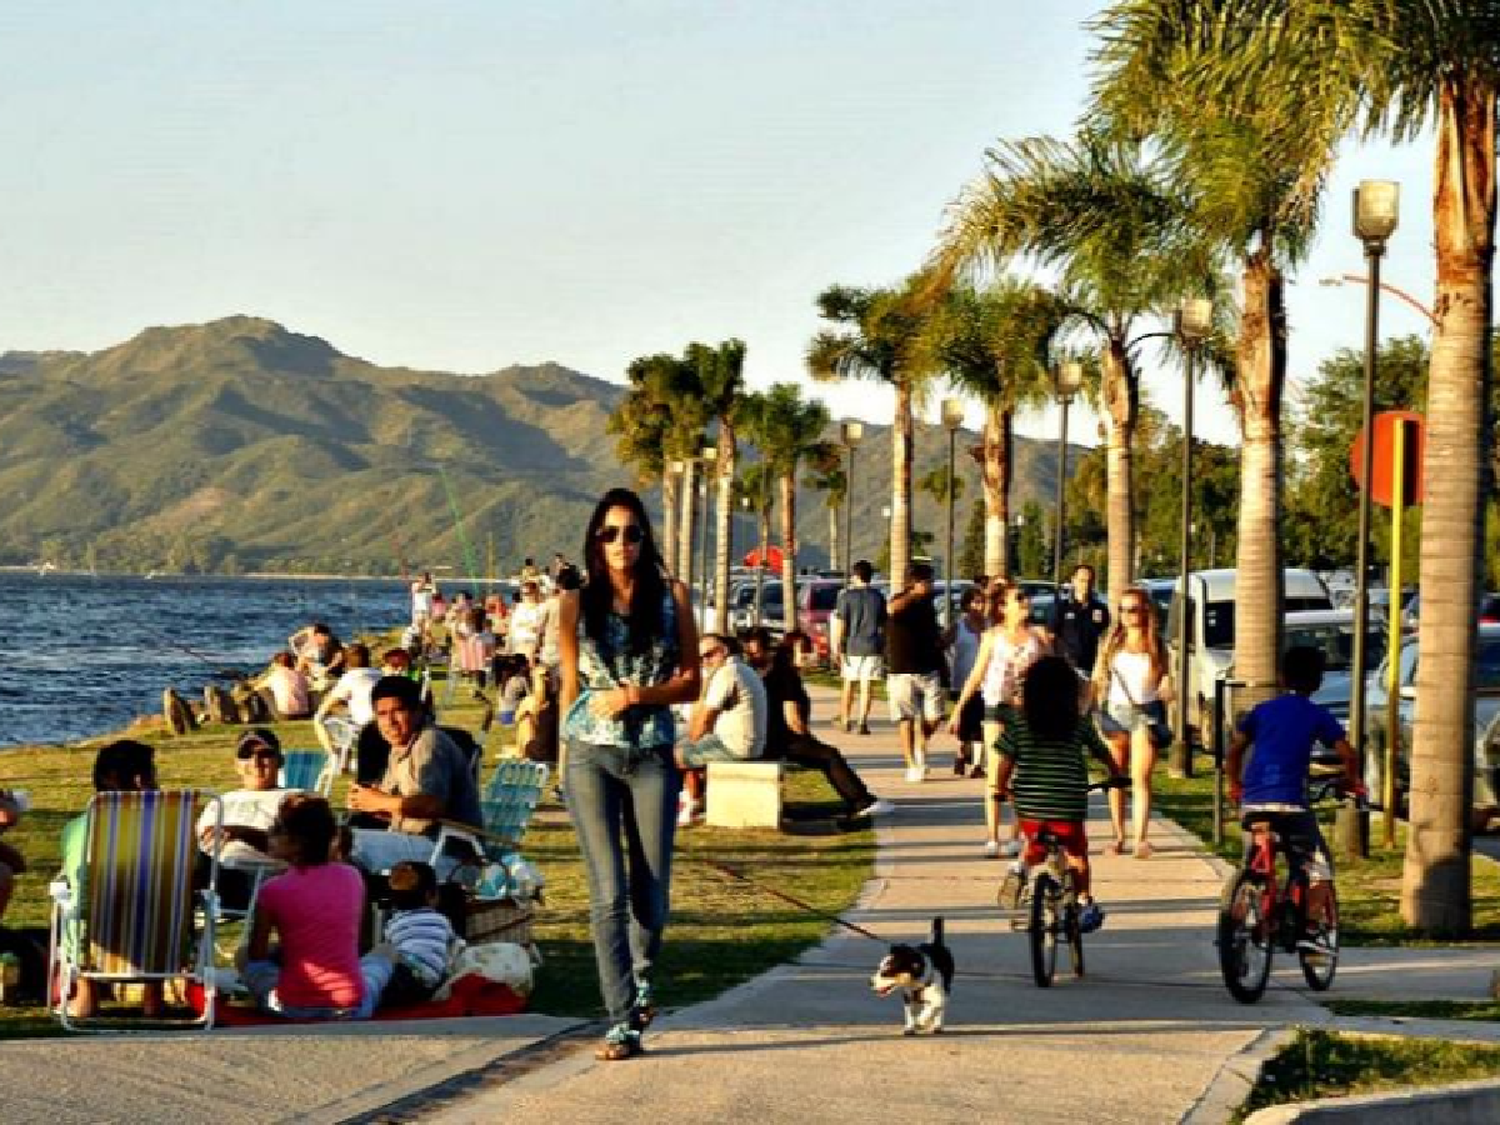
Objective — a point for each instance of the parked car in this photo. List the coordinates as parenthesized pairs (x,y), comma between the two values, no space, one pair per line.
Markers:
(1162,591)
(1487,613)
(816,600)
(1486,750)
(1332,631)
(1211,628)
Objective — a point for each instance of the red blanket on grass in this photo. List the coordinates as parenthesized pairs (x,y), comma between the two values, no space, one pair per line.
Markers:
(471,995)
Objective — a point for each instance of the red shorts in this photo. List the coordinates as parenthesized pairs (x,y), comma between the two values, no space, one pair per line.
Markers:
(1075,841)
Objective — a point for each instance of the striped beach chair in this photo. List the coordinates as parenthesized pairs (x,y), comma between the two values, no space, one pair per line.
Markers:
(132,920)
(307,771)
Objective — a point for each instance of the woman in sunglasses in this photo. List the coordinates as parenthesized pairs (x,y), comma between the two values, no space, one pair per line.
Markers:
(628,650)
(1132,680)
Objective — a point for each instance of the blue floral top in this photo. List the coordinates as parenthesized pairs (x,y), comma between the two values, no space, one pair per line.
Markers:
(607,664)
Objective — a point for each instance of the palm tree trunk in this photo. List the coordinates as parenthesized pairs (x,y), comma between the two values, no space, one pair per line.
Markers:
(1436,897)
(685,525)
(996,506)
(1122,405)
(669,502)
(725,528)
(901,445)
(761,566)
(1260,378)
(789,550)
(834,559)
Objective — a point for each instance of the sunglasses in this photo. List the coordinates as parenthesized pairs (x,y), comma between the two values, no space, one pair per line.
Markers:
(246,753)
(610,532)
(1132,609)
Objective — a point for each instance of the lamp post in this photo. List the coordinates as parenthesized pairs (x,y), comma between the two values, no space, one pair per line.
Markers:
(953,418)
(853,433)
(1377,207)
(709,455)
(1195,320)
(1066,383)
(671,516)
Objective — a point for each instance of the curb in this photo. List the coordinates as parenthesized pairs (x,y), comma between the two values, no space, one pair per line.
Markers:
(1236,1078)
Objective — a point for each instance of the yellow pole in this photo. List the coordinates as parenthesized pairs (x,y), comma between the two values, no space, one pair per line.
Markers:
(1393,644)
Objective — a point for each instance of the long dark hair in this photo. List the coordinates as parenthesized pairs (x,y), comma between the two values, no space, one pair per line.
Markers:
(645,618)
(1049,699)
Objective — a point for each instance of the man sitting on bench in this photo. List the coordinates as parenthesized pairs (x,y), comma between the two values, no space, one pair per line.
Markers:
(787,735)
(729,722)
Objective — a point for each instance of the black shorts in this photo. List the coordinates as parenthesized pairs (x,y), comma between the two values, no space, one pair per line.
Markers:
(1301,841)
(971,720)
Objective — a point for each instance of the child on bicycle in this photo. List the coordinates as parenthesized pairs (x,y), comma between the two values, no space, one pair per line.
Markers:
(1041,750)
(1274,782)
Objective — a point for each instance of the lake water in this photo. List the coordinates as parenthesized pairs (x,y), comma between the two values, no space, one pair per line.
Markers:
(85,655)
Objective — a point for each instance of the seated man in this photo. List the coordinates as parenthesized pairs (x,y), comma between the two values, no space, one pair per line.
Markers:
(428,778)
(351,693)
(729,722)
(788,737)
(12,863)
(249,813)
(120,766)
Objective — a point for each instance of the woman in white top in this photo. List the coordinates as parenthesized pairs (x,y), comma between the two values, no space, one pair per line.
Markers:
(962,639)
(1005,652)
(1132,688)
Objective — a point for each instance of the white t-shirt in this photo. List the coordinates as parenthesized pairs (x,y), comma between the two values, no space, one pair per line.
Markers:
(354,688)
(526,626)
(421,599)
(735,691)
(244,808)
(1130,679)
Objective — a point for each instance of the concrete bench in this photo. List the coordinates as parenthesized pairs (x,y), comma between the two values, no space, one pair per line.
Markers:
(745,794)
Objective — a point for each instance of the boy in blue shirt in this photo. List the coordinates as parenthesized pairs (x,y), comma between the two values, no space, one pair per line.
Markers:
(1273,785)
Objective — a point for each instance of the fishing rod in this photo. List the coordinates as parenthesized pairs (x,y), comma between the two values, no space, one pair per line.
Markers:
(458,523)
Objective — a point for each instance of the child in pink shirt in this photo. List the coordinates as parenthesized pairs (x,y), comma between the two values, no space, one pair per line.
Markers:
(314,971)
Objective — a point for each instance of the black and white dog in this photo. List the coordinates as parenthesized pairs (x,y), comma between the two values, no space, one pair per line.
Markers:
(924,974)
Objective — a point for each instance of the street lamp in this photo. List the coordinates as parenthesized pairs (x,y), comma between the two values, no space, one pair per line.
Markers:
(1340,280)
(1068,379)
(670,523)
(1377,208)
(852,433)
(953,418)
(1195,321)
(709,456)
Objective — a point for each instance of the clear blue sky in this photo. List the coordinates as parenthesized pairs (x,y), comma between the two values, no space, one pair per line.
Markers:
(465,185)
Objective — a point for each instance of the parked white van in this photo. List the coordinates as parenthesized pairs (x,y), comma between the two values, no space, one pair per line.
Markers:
(1211,620)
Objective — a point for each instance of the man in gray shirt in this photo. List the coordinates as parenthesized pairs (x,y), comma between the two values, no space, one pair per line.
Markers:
(856,640)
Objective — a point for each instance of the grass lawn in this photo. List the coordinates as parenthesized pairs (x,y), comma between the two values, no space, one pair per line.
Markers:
(722,933)
(1369,889)
(1318,1064)
(1481,1011)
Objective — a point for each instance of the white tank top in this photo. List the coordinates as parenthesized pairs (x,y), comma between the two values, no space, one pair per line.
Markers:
(1131,680)
(965,651)
(1008,661)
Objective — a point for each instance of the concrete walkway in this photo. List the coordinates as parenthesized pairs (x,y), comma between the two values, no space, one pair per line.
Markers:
(1140,1039)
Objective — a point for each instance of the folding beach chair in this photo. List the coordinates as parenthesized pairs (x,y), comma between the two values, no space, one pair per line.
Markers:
(132,920)
(508,802)
(343,736)
(307,771)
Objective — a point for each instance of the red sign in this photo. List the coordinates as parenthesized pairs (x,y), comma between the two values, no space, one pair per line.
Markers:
(1382,488)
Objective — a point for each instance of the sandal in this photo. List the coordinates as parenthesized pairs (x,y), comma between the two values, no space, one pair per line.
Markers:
(643,1011)
(1114,847)
(621,1043)
(1143,850)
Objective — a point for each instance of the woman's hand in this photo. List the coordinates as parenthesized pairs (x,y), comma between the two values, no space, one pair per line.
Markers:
(610,704)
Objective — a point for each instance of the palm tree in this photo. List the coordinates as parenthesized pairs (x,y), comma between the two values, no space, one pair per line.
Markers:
(721,383)
(993,344)
(789,431)
(758,485)
(1114,227)
(878,341)
(833,482)
(1399,66)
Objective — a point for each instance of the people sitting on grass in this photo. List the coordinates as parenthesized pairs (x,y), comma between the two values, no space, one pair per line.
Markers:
(302,958)
(789,735)
(428,778)
(284,688)
(12,862)
(243,837)
(727,725)
(351,694)
(120,766)
(320,655)
(421,941)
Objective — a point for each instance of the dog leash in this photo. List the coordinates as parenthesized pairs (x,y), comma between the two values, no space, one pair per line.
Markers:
(725,869)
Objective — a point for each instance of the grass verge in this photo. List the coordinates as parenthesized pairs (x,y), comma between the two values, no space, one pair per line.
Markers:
(722,933)
(1480,1011)
(1320,1064)
(1369,889)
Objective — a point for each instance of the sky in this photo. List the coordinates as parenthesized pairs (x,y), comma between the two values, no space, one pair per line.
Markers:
(466,185)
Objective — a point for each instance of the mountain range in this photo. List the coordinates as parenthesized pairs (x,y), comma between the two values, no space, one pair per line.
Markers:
(239,445)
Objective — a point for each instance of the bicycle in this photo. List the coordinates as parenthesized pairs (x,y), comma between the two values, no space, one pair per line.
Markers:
(1049,891)
(1258,913)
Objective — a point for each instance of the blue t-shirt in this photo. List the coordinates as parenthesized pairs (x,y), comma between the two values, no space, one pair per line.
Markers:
(1282,732)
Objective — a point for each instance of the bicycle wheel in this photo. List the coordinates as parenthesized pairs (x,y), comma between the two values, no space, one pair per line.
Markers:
(1043,930)
(1245,939)
(1322,961)
(1071,925)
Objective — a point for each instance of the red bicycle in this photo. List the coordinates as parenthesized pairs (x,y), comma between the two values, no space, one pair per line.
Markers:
(1259,912)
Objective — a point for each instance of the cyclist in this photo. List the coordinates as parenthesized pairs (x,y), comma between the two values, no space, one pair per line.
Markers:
(1273,785)
(1041,761)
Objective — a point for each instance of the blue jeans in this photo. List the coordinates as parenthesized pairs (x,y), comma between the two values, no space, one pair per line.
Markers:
(625,814)
(262,977)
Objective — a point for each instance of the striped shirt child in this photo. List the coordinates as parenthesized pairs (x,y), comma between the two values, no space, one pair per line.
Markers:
(422,939)
(1051,779)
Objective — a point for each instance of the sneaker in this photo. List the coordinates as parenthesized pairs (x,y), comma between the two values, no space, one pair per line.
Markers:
(1011,848)
(915,773)
(878,807)
(621,1043)
(991,849)
(1315,944)
(1090,917)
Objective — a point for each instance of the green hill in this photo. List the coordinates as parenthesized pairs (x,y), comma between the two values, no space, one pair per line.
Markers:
(239,445)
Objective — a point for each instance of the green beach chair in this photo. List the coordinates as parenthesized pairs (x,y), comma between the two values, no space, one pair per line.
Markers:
(132,920)
(307,771)
(507,804)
